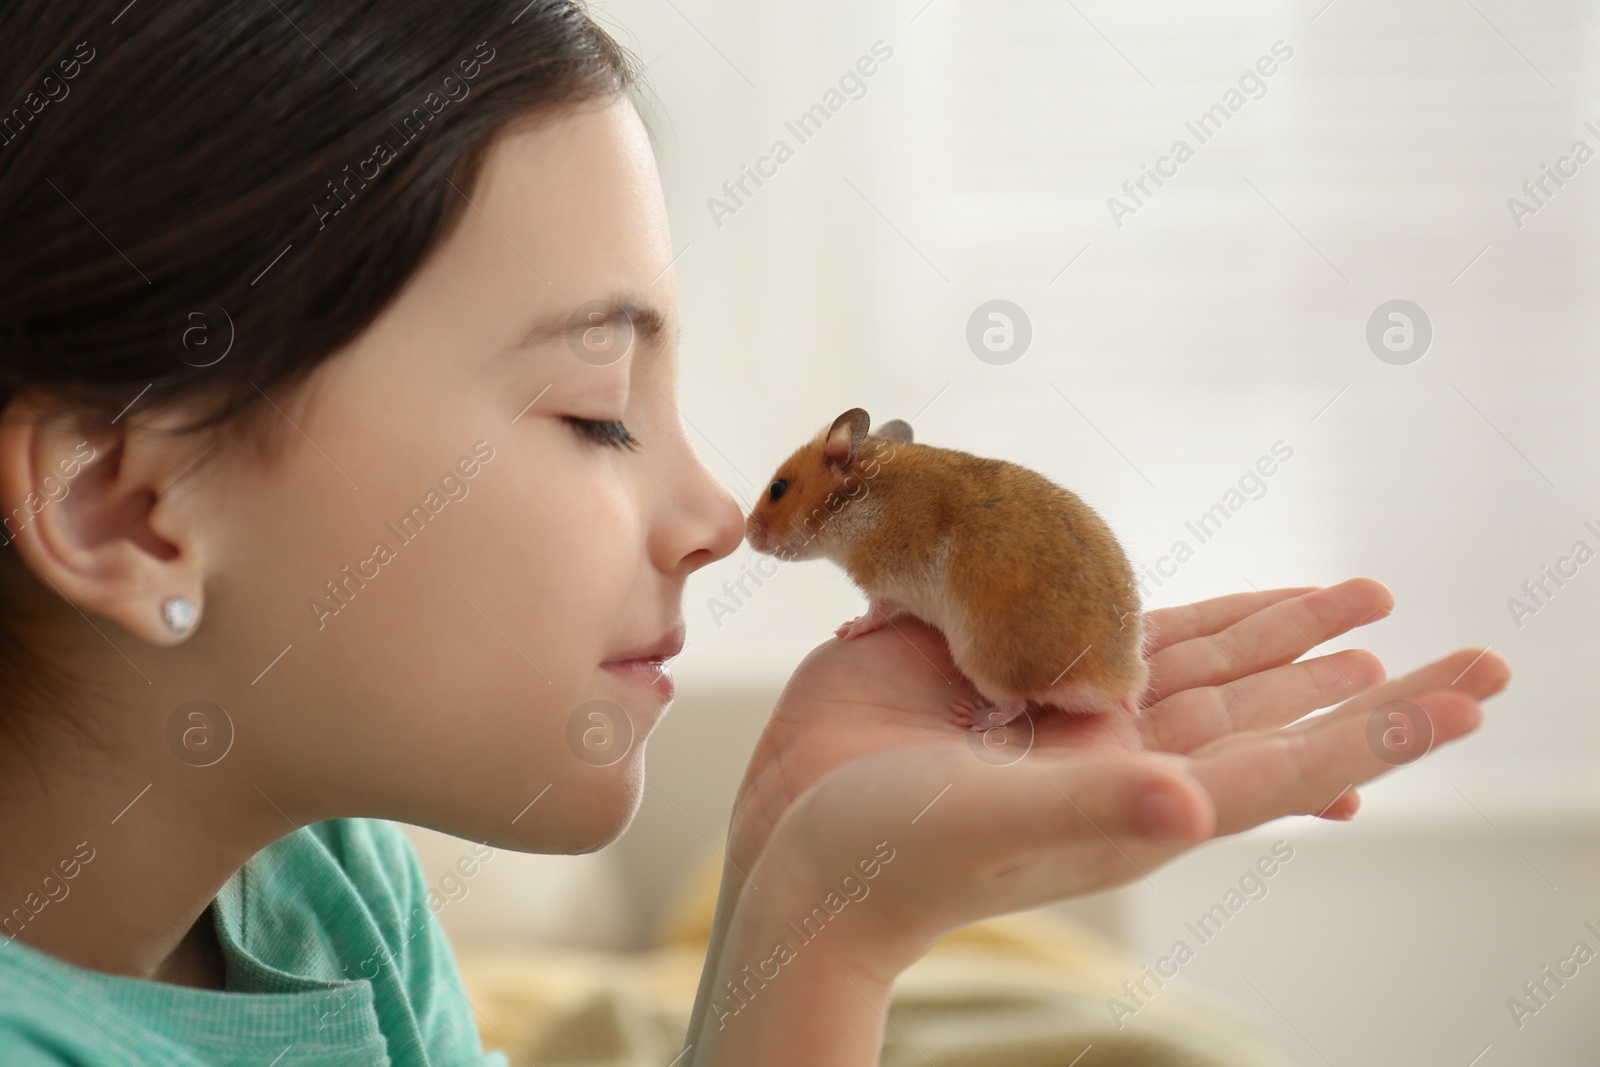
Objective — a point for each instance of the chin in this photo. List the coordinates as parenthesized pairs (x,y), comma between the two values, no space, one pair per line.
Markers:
(590,835)
(599,806)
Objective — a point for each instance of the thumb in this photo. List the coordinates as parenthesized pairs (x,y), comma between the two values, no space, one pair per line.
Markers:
(1144,796)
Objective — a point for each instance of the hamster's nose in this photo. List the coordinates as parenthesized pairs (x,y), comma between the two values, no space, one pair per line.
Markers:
(756,533)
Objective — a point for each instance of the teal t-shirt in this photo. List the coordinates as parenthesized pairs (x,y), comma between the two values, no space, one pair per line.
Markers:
(334,956)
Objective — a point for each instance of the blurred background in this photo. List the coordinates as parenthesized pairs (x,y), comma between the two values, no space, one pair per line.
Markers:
(1376,252)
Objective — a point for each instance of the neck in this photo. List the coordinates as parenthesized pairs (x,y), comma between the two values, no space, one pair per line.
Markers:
(111,865)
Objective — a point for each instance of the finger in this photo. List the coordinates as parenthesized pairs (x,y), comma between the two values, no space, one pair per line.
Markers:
(1343,808)
(1478,672)
(1136,798)
(1188,621)
(1304,769)
(1274,635)
(1026,804)
(1265,700)
(1034,827)
(1030,804)
(1113,797)
(1134,817)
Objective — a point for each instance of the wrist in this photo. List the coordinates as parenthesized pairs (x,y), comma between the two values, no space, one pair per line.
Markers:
(846,903)
(784,1002)
(787,920)
(773,985)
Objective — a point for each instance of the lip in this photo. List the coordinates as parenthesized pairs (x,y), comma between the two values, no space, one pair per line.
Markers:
(647,665)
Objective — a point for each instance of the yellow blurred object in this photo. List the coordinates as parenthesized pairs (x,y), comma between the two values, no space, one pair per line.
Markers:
(1024,990)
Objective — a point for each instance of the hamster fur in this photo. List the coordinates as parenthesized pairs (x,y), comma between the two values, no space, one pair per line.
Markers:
(1032,590)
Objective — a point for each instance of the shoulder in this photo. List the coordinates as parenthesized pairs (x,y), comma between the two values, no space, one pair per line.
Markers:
(30,1040)
(40,1021)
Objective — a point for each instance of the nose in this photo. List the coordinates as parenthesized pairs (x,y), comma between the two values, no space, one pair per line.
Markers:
(702,523)
(756,532)
(727,524)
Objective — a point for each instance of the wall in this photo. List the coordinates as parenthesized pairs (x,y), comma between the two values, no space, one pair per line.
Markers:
(1172,347)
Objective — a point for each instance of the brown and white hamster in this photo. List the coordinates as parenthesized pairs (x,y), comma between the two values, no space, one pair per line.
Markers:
(1030,587)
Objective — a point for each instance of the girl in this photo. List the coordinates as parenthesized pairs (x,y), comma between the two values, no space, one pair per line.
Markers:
(343,482)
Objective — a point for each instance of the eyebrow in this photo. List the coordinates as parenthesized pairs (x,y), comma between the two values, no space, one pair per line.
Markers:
(649,324)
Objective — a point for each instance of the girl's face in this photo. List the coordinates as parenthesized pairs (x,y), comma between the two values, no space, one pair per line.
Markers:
(446,563)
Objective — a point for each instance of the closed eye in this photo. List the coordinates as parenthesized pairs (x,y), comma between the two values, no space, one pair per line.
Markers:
(601,432)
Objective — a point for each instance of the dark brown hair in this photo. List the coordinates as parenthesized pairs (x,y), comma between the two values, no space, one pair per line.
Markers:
(182,179)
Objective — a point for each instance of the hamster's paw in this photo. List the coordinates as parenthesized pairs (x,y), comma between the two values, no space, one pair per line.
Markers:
(878,612)
(981,717)
(856,627)
(965,712)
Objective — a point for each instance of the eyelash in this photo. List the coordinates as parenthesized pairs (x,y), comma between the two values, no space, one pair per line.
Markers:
(610,434)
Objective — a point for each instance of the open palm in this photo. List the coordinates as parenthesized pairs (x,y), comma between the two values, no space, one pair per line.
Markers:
(861,745)
(1224,676)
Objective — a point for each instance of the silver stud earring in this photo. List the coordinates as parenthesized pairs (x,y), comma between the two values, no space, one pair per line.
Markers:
(180,614)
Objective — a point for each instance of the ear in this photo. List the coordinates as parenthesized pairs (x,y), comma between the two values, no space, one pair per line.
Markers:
(90,507)
(845,437)
(896,430)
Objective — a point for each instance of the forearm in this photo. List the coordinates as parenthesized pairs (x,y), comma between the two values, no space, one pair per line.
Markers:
(768,996)
(727,898)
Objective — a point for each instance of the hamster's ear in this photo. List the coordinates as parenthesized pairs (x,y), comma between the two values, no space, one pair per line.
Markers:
(896,430)
(845,437)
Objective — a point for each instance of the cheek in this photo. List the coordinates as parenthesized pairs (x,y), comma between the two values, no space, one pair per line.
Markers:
(577,544)
(440,689)
(551,558)
(528,579)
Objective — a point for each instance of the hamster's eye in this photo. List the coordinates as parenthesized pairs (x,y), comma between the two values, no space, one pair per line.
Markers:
(778,488)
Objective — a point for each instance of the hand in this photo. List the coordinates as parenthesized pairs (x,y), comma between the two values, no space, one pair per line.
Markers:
(859,751)
(1223,682)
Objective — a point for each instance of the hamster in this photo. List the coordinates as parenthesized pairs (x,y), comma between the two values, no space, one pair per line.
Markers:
(1029,586)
